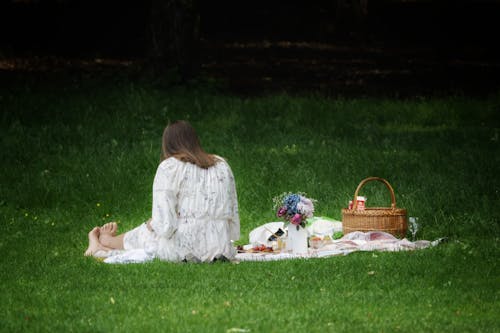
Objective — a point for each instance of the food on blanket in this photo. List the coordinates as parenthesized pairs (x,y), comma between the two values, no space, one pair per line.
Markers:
(256,248)
(262,248)
(316,242)
(327,240)
(338,235)
(259,248)
(282,243)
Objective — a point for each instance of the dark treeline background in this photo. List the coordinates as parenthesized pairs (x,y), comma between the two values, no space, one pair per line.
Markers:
(187,33)
(79,27)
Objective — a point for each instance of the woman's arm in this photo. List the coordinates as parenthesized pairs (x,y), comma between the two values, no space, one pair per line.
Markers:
(164,215)
(234,223)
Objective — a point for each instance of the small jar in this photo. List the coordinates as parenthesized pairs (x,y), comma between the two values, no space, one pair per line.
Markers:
(360,203)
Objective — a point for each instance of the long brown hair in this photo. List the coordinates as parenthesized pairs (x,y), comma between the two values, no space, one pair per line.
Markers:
(180,141)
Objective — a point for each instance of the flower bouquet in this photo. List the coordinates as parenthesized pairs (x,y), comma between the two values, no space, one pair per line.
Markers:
(294,208)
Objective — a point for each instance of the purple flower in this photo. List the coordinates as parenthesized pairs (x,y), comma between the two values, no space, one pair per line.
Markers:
(296,219)
(281,211)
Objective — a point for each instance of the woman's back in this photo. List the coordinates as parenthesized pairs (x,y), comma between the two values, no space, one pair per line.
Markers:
(195,211)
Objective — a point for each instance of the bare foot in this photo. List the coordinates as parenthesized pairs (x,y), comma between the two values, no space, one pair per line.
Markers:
(111,228)
(94,244)
(107,232)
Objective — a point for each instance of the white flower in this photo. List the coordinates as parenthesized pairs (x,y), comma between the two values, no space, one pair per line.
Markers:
(305,207)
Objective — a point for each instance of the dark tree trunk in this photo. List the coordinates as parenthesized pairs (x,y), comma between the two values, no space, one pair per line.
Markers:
(175,36)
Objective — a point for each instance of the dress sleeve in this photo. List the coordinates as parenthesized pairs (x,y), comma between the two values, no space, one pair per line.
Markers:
(234,223)
(165,188)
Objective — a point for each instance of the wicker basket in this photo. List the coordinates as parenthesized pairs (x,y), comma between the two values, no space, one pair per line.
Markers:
(388,219)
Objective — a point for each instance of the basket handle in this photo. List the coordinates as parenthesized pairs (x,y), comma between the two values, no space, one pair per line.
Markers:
(369,179)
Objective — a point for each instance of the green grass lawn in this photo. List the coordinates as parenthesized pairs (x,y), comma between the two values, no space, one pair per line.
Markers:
(79,154)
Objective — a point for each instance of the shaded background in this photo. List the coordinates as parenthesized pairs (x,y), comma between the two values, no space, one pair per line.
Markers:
(336,47)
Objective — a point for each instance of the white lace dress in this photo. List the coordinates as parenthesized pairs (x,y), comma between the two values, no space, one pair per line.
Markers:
(195,213)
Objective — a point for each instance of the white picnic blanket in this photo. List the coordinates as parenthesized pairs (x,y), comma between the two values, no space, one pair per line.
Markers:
(352,242)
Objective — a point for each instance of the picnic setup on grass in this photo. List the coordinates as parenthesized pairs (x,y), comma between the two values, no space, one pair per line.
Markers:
(304,236)
(300,234)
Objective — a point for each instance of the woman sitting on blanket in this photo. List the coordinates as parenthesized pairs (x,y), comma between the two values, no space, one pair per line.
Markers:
(195,208)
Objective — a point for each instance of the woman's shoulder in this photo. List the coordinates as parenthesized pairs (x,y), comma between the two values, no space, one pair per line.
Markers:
(221,162)
(218,158)
(170,163)
(222,166)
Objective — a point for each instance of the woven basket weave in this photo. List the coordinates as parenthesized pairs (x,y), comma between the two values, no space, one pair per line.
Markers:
(388,219)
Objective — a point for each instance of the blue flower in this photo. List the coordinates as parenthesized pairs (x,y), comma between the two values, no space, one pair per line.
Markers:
(291,202)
